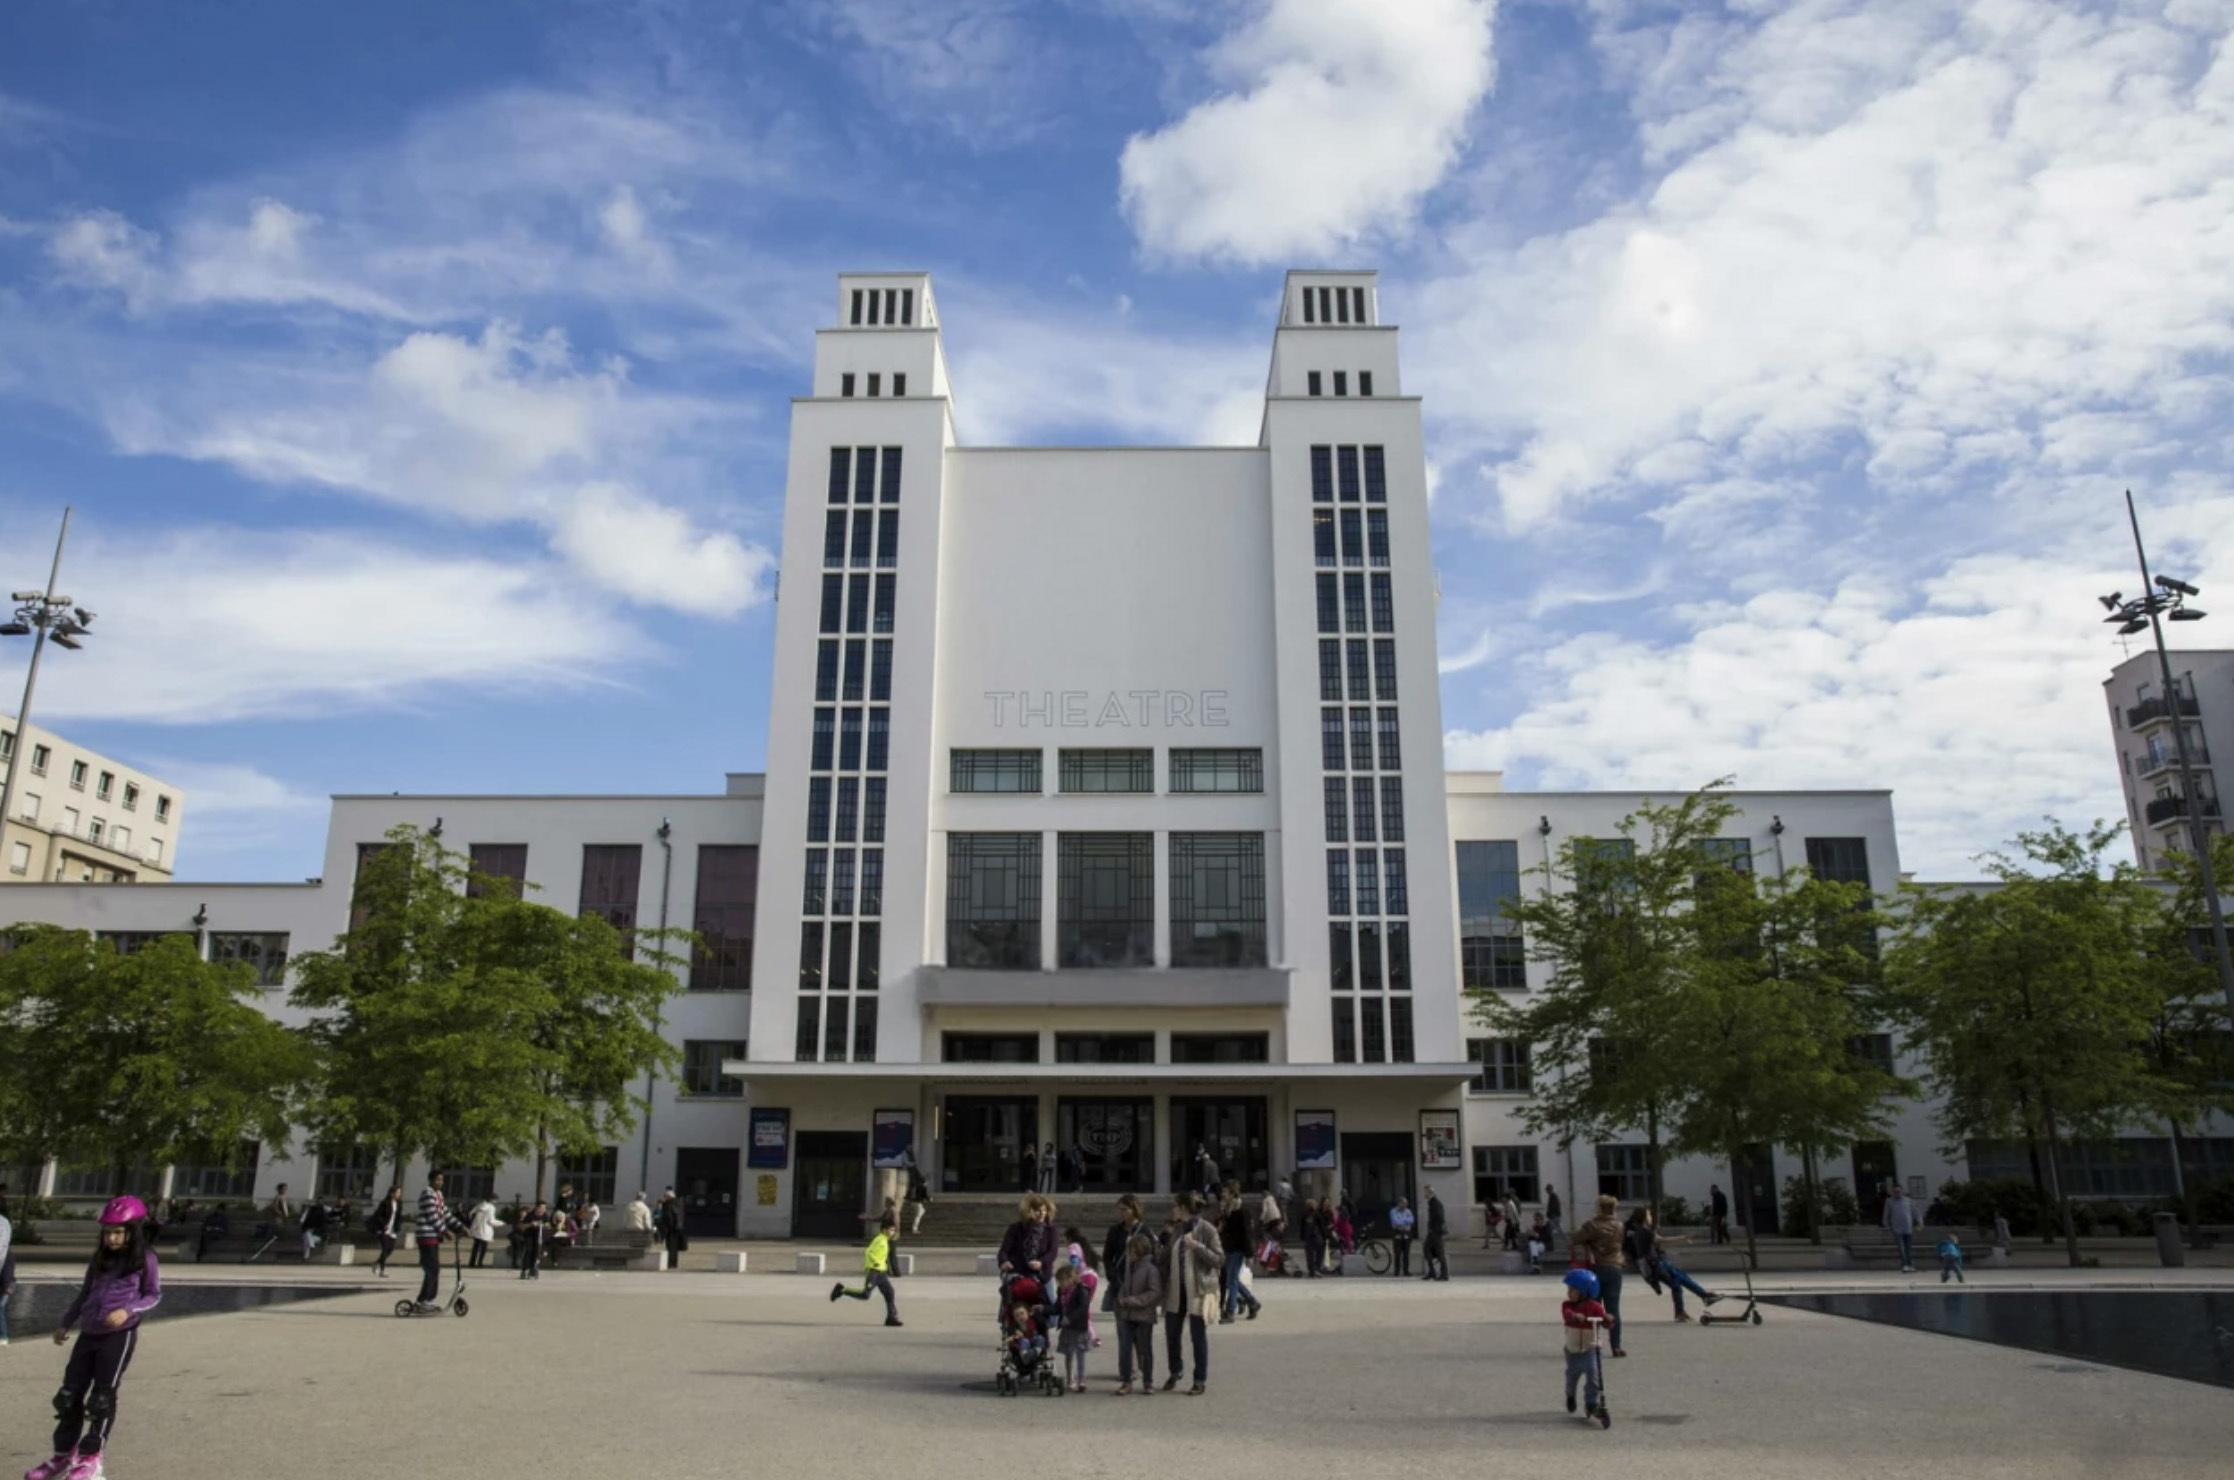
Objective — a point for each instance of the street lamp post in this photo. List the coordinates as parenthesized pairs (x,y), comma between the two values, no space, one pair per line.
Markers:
(39,615)
(2162,597)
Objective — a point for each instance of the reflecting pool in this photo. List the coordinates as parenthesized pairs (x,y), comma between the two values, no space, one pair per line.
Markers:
(37,1306)
(2174,1333)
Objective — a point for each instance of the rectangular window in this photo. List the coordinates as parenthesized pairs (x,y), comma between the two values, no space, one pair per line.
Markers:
(1330,669)
(825,738)
(834,537)
(888,489)
(1322,537)
(872,881)
(1230,770)
(1105,899)
(810,1030)
(1361,808)
(1322,475)
(104,786)
(907,305)
(1353,602)
(833,602)
(872,810)
(609,876)
(264,952)
(1105,1048)
(1310,306)
(1367,870)
(1361,677)
(722,914)
(702,1060)
(899,382)
(841,881)
(94,829)
(1392,809)
(876,383)
(1392,752)
(857,603)
(131,797)
(595,1176)
(880,739)
(865,1008)
(1353,539)
(1374,1039)
(856,651)
(1341,382)
(1839,860)
(1368,958)
(1221,1048)
(868,974)
(1330,740)
(1357,302)
(1874,1049)
(1217,899)
(1365,382)
(1502,1171)
(19,858)
(818,810)
(27,805)
(1330,604)
(841,958)
(1346,461)
(826,670)
(1401,1046)
(493,861)
(1361,739)
(849,739)
(1399,956)
(1342,305)
(1384,604)
(810,956)
(989,1048)
(864,538)
(1337,811)
(1311,377)
(880,670)
(1376,537)
(40,755)
(1376,476)
(815,895)
(993,770)
(1384,669)
(857,295)
(864,474)
(1504,1064)
(888,538)
(1340,975)
(1338,881)
(1625,1172)
(887,586)
(837,1019)
(1490,947)
(1100,771)
(841,468)
(1345,1030)
(992,900)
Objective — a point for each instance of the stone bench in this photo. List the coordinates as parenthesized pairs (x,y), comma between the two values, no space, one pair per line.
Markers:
(615,1249)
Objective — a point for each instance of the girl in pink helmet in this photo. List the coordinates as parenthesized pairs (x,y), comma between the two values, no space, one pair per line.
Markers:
(121,1285)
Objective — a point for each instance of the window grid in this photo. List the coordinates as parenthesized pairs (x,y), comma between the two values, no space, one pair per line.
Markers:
(1330,669)
(817,886)
(1105,899)
(841,881)
(1106,771)
(864,538)
(1337,813)
(1368,957)
(1375,1036)
(850,690)
(1361,808)
(1504,1066)
(1384,669)
(849,807)
(1338,956)
(1361,739)
(1401,1046)
(1361,677)
(872,810)
(1322,537)
(1394,882)
(1376,538)
(880,670)
(857,604)
(1353,602)
(1345,460)
(1367,871)
(880,738)
(834,537)
(1384,603)
(872,881)
(1345,1030)
(1322,475)
(818,810)
(1392,752)
(1330,605)
(1338,881)
(1399,956)
(1353,541)
(993,771)
(1392,809)
(1331,749)
(1217,899)
(1238,770)
(1376,476)
(826,670)
(810,956)
(992,900)
(836,1033)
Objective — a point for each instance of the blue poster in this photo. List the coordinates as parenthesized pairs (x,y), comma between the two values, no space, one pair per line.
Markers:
(893,1139)
(1314,1140)
(771,1139)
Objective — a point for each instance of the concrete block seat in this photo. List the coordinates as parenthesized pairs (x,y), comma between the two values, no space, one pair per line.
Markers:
(614,1248)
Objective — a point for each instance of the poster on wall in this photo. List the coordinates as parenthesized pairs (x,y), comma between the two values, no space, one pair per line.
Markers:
(1314,1140)
(1439,1148)
(893,1139)
(771,1139)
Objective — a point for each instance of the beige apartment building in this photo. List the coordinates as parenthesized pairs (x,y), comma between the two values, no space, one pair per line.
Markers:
(78,817)
(2141,721)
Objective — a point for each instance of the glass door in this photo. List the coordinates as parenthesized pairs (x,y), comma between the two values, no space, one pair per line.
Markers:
(1114,1138)
(985,1140)
(1232,1131)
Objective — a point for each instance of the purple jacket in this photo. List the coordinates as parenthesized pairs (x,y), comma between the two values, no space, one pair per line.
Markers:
(134,1292)
(1025,1242)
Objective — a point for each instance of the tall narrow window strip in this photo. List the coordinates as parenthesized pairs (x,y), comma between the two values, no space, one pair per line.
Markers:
(1392,752)
(841,468)
(1322,475)
(1392,809)
(1311,382)
(864,536)
(872,881)
(864,474)
(1353,602)
(1341,306)
(840,977)
(1384,669)
(841,881)
(1339,976)
(1322,537)
(907,306)
(1368,957)
(891,306)
(1365,382)
(818,810)
(1376,537)
(880,671)
(857,603)
(1331,749)
(1373,1044)
(1353,543)
(849,807)
(1366,872)
(833,601)
(1347,457)
(856,306)
(872,810)
(887,588)
(826,671)
(1361,798)
(1399,956)
(1330,669)
(1310,307)
(876,383)
(1394,884)
(1384,604)
(888,487)
(888,539)
(1341,382)
(1330,605)
(1345,1030)
(834,537)
(849,739)
(836,1029)
(865,1030)
(1361,739)
(825,739)
(810,956)
(1338,882)
(1376,476)
(1361,676)
(870,970)
(1400,1042)
(1357,299)
(810,1030)
(1217,899)
(880,739)
(1337,811)
(856,653)
(814,896)
(845,385)
(899,382)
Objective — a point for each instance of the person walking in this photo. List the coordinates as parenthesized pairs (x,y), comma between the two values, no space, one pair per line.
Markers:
(1193,1260)
(1718,1214)
(123,1282)
(1116,1252)
(1314,1238)
(1402,1222)
(1140,1300)
(1438,1229)
(919,1193)
(535,1236)
(1206,1171)
(436,1221)
(1899,1219)
(1950,1264)
(1552,1211)
(483,1225)
(1597,1246)
(876,1261)
(1050,1169)
(639,1215)
(1077,1167)
(1233,1232)
(313,1227)
(1031,1168)
(670,1222)
(1510,1208)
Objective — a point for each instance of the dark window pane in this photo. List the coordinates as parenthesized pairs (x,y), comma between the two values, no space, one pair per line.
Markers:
(1330,605)
(1839,860)
(826,671)
(1369,1011)
(825,739)
(1400,1045)
(888,539)
(1346,462)
(1368,957)
(1217,899)
(886,586)
(1345,1030)
(865,1022)
(1339,973)
(1322,475)
(1108,770)
(864,536)
(889,489)
(1221,1048)
(1337,811)
(841,958)
(810,1029)
(833,601)
(1105,1048)
(880,739)
(1353,541)
(1361,739)
(1392,809)
(834,537)
(492,861)
(1361,806)
(880,670)
(1384,669)
(810,956)
(1331,754)
(818,810)
(869,971)
(849,798)
(1235,770)
(872,810)
(993,770)
(1330,669)
(1392,753)
(856,655)
(1338,881)
(836,1031)
(989,1048)
(1376,537)
(841,881)
(872,881)
(609,875)
(816,891)
(1366,871)
(1353,603)
(1384,604)
(1376,476)
(841,464)
(1106,899)
(1395,883)
(849,740)
(992,900)
(864,474)
(1361,677)
(1399,956)
(1322,536)
(857,603)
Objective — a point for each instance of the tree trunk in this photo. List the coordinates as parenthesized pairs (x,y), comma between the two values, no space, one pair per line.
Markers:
(120,1174)
(2055,1175)
(2180,1186)
(542,1156)
(1741,1184)
(1814,1194)
(1652,1159)
(2039,1186)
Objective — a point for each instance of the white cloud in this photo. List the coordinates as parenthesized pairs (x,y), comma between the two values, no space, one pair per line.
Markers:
(233,813)
(1340,115)
(652,555)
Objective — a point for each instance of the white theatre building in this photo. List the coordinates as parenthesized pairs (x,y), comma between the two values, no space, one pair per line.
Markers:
(1104,809)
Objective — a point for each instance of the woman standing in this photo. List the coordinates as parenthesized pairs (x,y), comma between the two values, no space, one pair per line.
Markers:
(386,1220)
(1314,1238)
(482,1225)
(1600,1242)
(1116,1249)
(1028,1248)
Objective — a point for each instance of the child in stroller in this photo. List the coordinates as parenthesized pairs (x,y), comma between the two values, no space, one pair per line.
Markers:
(1027,1322)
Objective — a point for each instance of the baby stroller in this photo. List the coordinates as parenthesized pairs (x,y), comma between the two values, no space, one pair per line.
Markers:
(1027,1341)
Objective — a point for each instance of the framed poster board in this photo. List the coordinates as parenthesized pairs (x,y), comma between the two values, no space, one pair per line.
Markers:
(1439,1148)
(891,1139)
(770,1144)
(1314,1141)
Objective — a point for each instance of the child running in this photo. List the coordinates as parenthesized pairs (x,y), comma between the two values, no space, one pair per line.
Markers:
(874,1262)
(1073,1339)
(121,1285)
(1586,1321)
(1951,1258)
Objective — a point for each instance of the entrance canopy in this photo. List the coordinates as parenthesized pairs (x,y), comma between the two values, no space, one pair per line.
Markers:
(778,1072)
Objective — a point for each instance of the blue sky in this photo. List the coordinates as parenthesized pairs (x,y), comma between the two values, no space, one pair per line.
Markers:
(1783,363)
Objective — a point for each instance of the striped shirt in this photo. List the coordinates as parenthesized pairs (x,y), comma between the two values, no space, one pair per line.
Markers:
(435,1217)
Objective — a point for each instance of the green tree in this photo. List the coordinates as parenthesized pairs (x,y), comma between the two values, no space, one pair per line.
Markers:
(2190,1048)
(465,1023)
(2031,1002)
(141,1059)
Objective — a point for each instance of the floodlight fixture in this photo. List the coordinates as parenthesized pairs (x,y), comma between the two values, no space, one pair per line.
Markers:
(15,629)
(2188,614)
(64,639)
(2180,586)
(28,596)
(2113,601)
(2133,625)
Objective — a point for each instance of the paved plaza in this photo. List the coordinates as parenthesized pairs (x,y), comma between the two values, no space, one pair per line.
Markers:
(689,1375)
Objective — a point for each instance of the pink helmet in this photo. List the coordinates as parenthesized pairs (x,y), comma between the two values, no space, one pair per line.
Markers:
(126,1209)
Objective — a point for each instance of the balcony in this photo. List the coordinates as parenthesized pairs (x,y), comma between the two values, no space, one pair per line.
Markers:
(2150,711)
(2150,765)
(2167,809)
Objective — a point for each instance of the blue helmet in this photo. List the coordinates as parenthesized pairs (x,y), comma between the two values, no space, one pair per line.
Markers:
(1583,1283)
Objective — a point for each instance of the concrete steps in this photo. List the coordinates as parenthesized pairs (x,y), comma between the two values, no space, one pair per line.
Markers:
(978,1219)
